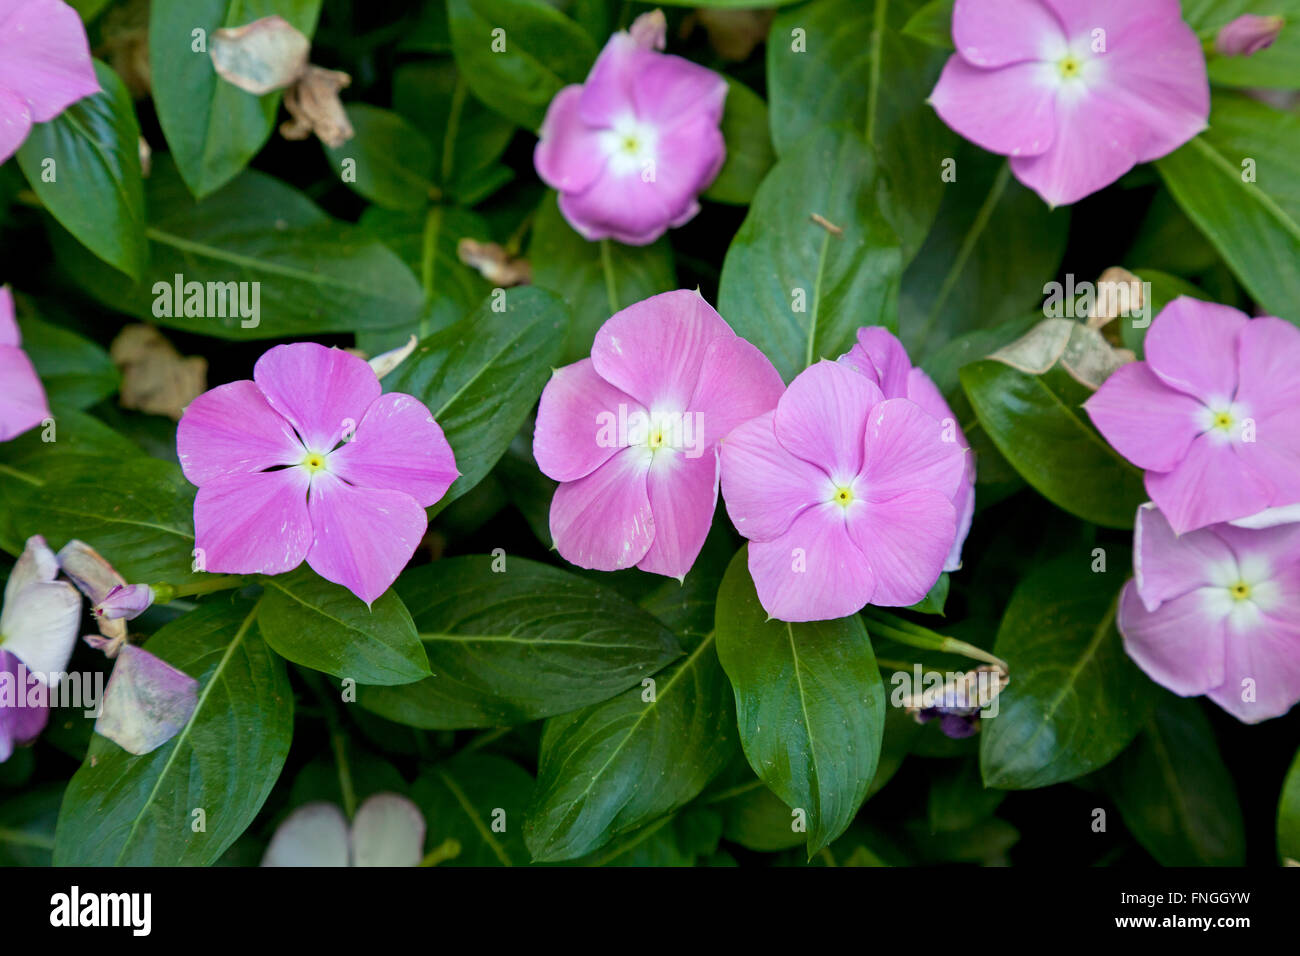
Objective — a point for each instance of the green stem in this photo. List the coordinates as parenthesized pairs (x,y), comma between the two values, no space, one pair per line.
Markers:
(449,849)
(165,593)
(607,265)
(338,739)
(914,635)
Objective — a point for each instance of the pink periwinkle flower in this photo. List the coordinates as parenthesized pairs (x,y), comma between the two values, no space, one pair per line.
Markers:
(630,149)
(846,496)
(881,357)
(38,630)
(310,461)
(22,398)
(45,66)
(632,433)
(1248,34)
(1076,92)
(1217,612)
(1211,414)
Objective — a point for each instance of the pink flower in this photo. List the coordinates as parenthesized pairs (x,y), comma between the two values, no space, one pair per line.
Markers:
(632,433)
(1211,413)
(1217,612)
(630,149)
(22,398)
(310,461)
(45,66)
(846,496)
(1248,34)
(1076,92)
(881,357)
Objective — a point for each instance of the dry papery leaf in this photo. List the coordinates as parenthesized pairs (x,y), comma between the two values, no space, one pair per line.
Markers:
(494,263)
(262,56)
(156,378)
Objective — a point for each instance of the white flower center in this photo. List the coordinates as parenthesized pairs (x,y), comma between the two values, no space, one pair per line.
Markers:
(630,145)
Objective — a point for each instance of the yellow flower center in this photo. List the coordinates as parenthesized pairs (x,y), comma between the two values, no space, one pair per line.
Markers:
(1070,66)
(1223,420)
(1240,591)
(843,497)
(657,439)
(631,145)
(314,462)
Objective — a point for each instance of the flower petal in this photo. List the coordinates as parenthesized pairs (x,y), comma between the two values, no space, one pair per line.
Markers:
(906,540)
(253,523)
(233,430)
(388,830)
(607,91)
(39,622)
(822,418)
(683,493)
(1011,111)
(22,403)
(21,724)
(1166,566)
(671,91)
(10,334)
(147,701)
(604,521)
(764,486)
(569,156)
(398,447)
(1262,669)
(363,536)
(1211,484)
(813,572)
(1180,645)
(737,383)
(1143,419)
(653,350)
(45,57)
(905,448)
(323,392)
(578,422)
(881,357)
(316,834)
(1193,347)
(1268,354)
(15,123)
(992,33)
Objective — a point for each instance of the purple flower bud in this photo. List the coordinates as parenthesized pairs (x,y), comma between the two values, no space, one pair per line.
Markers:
(126,602)
(1248,34)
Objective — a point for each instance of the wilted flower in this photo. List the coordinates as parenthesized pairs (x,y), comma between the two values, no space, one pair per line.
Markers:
(960,701)
(147,701)
(45,66)
(22,397)
(38,630)
(1076,92)
(881,357)
(1248,34)
(310,461)
(125,602)
(632,433)
(1217,612)
(1211,413)
(846,497)
(388,830)
(631,149)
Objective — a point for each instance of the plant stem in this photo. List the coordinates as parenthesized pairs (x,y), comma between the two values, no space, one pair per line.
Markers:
(914,635)
(165,593)
(449,849)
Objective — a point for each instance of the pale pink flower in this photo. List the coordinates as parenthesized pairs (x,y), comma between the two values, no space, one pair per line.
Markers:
(22,397)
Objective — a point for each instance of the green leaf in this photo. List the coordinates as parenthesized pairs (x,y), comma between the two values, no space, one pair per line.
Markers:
(94,188)
(1075,700)
(213,127)
(391,162)
(1288,815)
(935,599)
(959,800)
(305,273)
(477,800)
(1038,424)
(321,625)
(138,513)
(792,287)
(856,67)
(75,371)
(758,820)
(509,647)
(611,767)
(27,826)
(595,279)
(984,262)
(749,146)
(481,376)
(1254,225)
(809,701)
(932,24)
(1175,793)
(124,810)
(517,54)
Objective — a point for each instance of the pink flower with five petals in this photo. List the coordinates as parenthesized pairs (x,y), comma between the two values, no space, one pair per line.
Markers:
(310,461)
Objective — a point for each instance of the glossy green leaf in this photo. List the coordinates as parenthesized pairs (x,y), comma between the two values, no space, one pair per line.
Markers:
(124,810)
(321,625)
(1288,815)
(932,24)
(749,146)
(84,166)
(793,287)
(388,161)
(1039,425)
(517,54)
(477,800)
(511,646)
(1075,700)
(595,279)
(75,371)
(809,701)
(1175,793)
(27,823)
(213,127)
(481,376)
